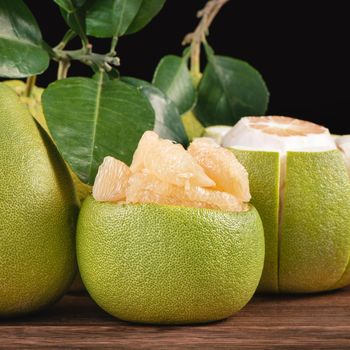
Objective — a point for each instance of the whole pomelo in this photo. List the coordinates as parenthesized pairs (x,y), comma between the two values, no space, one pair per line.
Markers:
(169,264)
(38,210)
(302,192)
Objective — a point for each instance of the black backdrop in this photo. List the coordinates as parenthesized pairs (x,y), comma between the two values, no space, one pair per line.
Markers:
(299,51)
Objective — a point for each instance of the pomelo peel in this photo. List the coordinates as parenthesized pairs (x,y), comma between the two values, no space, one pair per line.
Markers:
(313,224)
(164,264)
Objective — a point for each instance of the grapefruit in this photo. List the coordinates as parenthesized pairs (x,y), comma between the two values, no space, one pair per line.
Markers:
(38,211)
(171,240)
(300,186)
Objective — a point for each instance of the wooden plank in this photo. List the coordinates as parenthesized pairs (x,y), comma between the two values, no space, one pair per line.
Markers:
(268,322)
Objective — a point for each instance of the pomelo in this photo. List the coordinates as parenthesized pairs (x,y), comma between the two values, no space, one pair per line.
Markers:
(171,239)
(300,186)
(33,103)
(38,211)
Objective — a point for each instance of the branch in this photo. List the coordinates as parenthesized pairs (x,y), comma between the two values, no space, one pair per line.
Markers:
(196,38)
(85,55)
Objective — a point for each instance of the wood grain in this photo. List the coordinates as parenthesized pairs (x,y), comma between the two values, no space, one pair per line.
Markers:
(268,322)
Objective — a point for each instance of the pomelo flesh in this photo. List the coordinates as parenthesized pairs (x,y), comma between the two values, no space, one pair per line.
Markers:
(222,167)
(308,246)
(169,264)
(205,176)
(38,210)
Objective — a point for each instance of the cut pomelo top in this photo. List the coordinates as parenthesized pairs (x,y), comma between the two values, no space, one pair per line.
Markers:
(281,134)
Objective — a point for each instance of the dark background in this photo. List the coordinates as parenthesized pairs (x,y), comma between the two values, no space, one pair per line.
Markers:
(300,51)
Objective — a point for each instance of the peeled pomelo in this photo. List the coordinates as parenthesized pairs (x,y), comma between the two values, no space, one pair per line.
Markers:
(165,173)
(169,264)
(169,162)
(300,186)
(38,211)
(111,180)
(170,240)
(221,166)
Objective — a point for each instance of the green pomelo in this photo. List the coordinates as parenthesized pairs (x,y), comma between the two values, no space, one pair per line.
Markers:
(313,243)
(38,211)
(169,264)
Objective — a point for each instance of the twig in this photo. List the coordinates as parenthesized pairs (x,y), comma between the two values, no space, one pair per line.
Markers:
(196,38)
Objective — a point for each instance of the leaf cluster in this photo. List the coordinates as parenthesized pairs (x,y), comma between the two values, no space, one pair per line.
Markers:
(106,114)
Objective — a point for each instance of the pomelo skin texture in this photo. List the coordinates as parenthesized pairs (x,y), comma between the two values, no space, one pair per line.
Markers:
(38,210)
(159,264)
(312,251)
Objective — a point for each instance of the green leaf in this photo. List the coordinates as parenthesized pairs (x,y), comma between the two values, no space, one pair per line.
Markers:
(229,90)
(148,10)
(111,18)
(73,12)
(70,5)
(21,46)
(168,122)
(174,79)
(90,119)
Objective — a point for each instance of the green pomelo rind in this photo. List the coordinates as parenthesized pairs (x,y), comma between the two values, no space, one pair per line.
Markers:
(169,264)
(314,242)
(315,227)
(263,169)
(38,210)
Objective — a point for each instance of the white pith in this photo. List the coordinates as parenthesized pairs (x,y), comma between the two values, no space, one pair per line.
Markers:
(217,132)
(242,136)
(343,144)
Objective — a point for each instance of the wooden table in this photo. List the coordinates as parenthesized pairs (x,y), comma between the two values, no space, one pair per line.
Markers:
(267,322)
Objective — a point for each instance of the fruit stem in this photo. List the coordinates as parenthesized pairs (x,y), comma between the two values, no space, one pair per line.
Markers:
(196,38)
(30,83)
